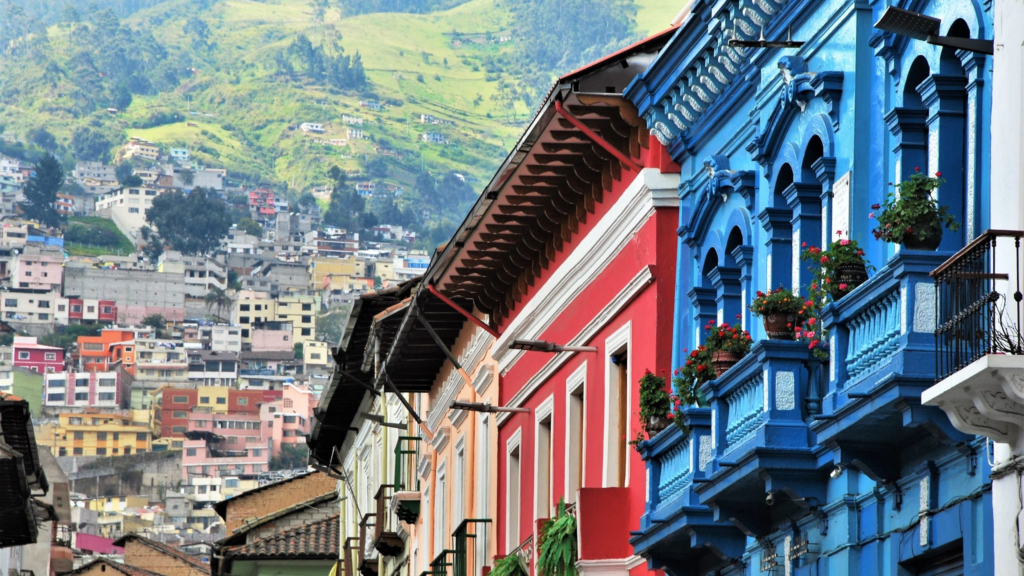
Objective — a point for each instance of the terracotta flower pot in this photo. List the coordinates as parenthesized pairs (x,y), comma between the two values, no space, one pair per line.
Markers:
(852,275)
(655,425)
(780,326)
(723,360)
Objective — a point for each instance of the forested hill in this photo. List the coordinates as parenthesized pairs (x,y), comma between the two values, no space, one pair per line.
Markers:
(439,86)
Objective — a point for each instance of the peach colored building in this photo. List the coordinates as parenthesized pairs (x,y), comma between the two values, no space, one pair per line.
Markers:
(289,419)
(219,445)
(427,485)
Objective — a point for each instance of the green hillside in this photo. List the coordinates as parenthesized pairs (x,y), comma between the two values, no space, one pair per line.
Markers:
(218,88)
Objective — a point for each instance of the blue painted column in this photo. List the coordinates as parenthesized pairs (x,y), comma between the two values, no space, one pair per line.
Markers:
(805,202)
(705,309)
(777,222)
(728,291)
(910,135)
(945,97)
(974,66)
(744,257)
(825,169)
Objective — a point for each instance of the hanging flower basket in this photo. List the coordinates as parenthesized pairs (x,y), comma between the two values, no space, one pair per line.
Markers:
(779,309)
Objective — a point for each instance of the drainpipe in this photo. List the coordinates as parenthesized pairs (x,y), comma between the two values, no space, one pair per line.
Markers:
(596,138)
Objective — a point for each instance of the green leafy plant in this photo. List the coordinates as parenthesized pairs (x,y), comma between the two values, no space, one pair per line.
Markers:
(655,402)
(778,301)
(911,209)
(510,565)
(558,551)
(825,264)
(698,368)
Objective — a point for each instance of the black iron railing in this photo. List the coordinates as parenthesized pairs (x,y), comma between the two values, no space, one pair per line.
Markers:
(978,302)
(470,543)
(440,565)
(407,449)
(61,535)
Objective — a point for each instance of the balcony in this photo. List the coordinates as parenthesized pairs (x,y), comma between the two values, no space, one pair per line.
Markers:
(979,359)
(406,501)
(439,566)
(883,352)
(367,562)
(471,547)
(386,539)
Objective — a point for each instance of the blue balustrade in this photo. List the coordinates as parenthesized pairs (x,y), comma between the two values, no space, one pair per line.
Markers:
(745,407)
(676,472)
(874,335)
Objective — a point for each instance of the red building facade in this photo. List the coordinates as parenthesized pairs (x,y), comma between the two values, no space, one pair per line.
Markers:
(573,243)
(28,353)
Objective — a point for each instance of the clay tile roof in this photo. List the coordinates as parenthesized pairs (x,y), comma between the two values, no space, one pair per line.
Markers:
(125,569)
(317,540)
(164,548)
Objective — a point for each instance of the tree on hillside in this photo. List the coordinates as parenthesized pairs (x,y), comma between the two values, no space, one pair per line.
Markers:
(125,173)
(90,144)
(198,30)
(154,247)
(43,138)
(219,299)
(346,205)
(191,223)
(251,227)
(41,192)
(307,203)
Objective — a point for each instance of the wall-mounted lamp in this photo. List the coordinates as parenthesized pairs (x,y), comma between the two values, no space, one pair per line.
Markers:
(920,27)
(837,471)
(544,346)
(487,408)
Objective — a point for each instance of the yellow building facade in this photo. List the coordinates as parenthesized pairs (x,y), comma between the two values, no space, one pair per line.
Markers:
(321,267)
(256,307)
(96,435)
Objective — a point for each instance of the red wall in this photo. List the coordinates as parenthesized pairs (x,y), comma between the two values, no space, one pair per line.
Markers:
(650,314)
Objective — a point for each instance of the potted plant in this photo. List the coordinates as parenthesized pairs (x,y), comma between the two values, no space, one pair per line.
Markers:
(779,310)
(911,215)
(655,404)
(510,565)
(558,551)
(728,345)
(839,269)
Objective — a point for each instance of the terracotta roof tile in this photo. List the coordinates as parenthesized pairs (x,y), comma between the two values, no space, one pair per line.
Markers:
(125,569)
(168,550)
(310,541)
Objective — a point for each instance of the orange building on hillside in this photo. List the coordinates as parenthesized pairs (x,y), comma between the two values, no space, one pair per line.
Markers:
(111,347)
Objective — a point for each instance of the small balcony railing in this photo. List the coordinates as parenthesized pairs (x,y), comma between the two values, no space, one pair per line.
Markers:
(386,539)
(353,556)
(367,561)
(525,553)
(471,547)
(407,450)
(978,300)
(441,564)
(62,535)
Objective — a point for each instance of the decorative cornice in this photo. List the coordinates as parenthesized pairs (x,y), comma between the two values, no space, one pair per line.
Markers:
(587,261)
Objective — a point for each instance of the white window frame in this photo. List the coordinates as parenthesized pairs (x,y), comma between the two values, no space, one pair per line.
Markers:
(613,344)
(459,484)
(483,485)
(575,383)
(440,508)
(544,411)
(513,444)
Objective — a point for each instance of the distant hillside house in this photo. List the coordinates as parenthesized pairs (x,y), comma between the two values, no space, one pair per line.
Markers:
(351,120)
(312,127)
(139,148)
(371,104)
(366,188)
(180,154)
(356,134)
(434,138)
(427,119)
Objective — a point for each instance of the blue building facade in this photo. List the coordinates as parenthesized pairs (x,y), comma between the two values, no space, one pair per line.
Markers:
(803,466)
